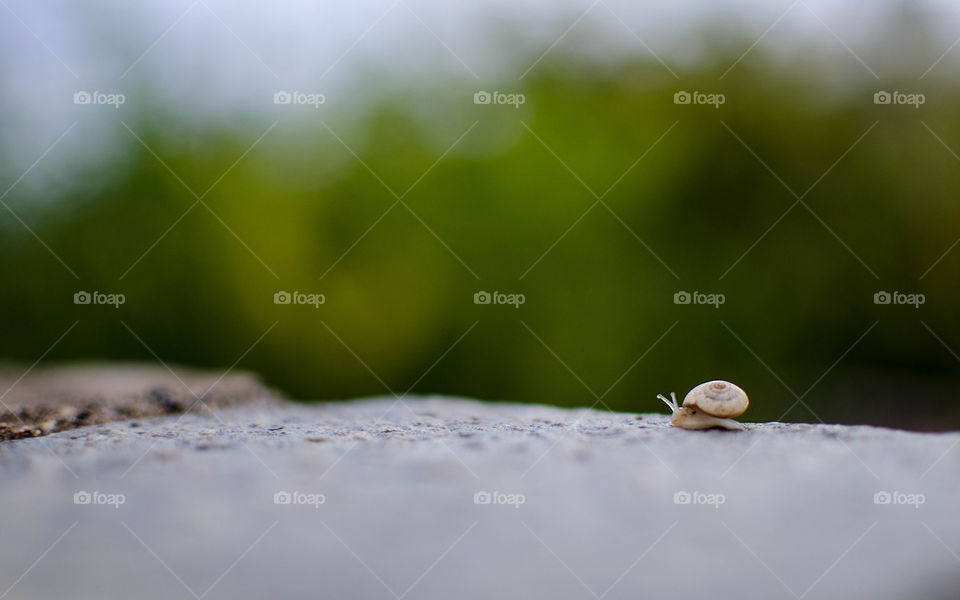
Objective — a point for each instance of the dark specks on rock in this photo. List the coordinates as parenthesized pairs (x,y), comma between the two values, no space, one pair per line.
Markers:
(166,401)
(206,447)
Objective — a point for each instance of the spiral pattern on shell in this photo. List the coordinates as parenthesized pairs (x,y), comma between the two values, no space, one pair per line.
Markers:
(718,398)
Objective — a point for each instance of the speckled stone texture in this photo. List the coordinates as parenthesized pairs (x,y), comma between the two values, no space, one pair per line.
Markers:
(448,498)
(42,400)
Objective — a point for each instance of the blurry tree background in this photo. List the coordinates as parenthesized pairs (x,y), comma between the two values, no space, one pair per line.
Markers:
(598,199)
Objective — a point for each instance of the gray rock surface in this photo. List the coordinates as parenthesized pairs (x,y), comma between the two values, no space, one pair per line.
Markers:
(582,504)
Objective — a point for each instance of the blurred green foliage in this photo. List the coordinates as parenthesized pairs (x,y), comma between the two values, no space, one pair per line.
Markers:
(599,276)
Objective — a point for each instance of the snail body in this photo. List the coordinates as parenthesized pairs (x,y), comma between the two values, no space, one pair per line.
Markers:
(709,405)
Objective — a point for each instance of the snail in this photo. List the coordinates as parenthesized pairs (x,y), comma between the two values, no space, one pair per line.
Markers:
(710,404)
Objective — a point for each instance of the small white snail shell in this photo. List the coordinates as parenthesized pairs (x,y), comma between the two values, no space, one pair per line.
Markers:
(711,404)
